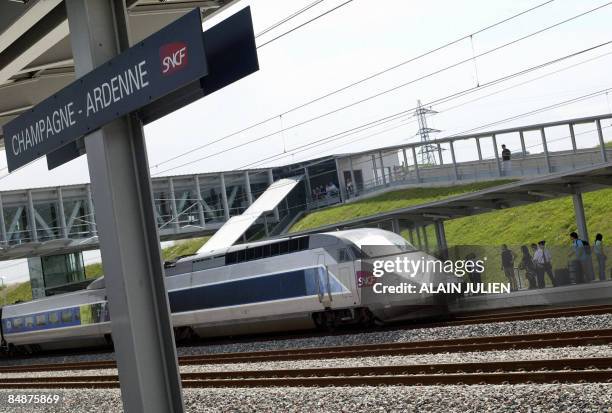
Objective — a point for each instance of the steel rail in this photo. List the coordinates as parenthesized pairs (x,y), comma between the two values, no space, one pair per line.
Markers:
(481,318)
(500,372)
(487,343)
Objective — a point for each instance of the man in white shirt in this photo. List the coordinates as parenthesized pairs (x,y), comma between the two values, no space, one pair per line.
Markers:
(543,262)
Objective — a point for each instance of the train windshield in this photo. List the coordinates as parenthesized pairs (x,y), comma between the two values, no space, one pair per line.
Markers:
(380,244)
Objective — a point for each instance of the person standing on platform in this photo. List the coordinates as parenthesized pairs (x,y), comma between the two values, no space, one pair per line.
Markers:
(506,162)
(349,188)
(507,258)
(474,276)
(529,267)
(601,256)
(543,262)
(581,255)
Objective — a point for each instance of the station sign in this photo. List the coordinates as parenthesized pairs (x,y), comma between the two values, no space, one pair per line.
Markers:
(231,54)
(162,63)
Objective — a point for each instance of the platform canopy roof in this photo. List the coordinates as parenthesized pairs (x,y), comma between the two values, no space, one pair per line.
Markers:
(35,53)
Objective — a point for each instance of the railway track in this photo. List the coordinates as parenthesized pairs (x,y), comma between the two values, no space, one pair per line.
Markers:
(541,340)
(487,317)
(503,372)
(457,319)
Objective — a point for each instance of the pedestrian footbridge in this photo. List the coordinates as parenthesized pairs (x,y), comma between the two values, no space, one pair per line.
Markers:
(58,220)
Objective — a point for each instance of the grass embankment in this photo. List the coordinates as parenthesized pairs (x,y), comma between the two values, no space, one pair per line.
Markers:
(483,234)
(23,292)
(185,247)
(551,220)
(180,248)
(386,202)
(17,292)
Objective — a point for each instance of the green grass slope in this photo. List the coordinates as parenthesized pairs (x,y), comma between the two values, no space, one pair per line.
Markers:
(17,292)
(550,220)
(180,248)
(185,247)
(386,202)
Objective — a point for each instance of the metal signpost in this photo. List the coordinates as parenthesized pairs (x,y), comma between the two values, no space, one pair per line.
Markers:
(114,81)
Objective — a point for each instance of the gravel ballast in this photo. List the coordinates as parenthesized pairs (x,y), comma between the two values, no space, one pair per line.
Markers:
(549,325)
(579,398)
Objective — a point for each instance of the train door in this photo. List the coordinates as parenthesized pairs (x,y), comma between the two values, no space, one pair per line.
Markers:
(347,276)
(323,282)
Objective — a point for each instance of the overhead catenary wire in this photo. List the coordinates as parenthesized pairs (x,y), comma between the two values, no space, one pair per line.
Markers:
(535,111)
(288,18)
(528,113)
(304,24)
(360,81)
(446,98)
(384,92)
(471,90)
(540,30)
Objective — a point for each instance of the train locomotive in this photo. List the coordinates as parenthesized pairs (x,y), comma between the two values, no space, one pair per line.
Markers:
(291,283)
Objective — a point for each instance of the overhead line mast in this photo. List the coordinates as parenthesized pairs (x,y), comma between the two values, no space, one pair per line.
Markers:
(427,150)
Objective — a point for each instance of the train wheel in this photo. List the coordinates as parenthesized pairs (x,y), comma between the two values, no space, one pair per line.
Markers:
(330,321)
(318,320)
(108,338)
(365,317)
(12,350)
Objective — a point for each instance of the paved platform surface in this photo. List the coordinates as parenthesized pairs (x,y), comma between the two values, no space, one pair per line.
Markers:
(595,292)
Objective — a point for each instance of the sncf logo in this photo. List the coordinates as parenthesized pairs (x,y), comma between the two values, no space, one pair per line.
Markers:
(173,57)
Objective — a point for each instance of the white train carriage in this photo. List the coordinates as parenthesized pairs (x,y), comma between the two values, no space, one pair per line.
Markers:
(282,284)
(77,319)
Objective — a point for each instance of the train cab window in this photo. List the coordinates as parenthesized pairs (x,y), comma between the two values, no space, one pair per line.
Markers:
(344,255)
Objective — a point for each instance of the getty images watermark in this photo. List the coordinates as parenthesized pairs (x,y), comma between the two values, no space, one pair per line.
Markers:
(427,275)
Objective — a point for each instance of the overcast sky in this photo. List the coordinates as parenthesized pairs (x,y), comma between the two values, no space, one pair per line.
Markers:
(362,38)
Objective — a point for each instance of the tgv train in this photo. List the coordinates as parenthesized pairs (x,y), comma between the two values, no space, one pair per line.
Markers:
(281,284)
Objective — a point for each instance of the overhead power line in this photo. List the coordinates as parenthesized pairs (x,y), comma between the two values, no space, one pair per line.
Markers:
(350,85)
(457,94)
(445,99)
(288,18)
(304,24)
